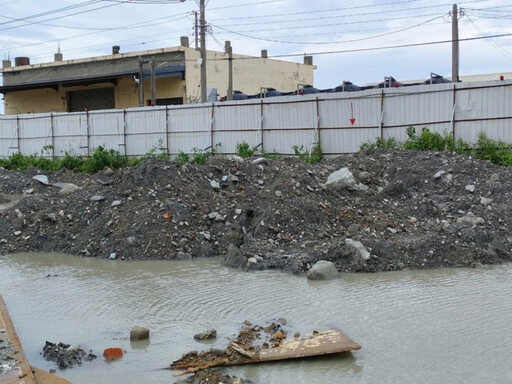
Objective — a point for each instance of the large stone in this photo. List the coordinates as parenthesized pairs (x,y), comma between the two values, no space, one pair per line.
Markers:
(139,333)
(206,335)
(357,248)
(323,270)
(42,179)
(344,179)
(471,220)
(66,188)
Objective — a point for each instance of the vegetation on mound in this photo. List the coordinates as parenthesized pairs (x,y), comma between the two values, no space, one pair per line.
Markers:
(497,152)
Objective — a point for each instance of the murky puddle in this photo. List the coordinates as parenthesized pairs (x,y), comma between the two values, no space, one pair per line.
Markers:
(449,325)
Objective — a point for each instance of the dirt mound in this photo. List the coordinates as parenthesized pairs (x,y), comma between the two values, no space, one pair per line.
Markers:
(407,209)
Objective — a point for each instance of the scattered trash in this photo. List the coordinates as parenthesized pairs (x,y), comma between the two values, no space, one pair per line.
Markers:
(249,347)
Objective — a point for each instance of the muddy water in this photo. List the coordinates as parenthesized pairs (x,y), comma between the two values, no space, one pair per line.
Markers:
(449,326)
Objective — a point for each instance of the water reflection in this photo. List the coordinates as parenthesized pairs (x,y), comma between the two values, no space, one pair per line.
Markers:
(417,326)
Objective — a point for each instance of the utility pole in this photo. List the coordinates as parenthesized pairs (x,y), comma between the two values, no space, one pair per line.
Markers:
(141,82)
(202,22)
(153,83)
(229,51)
(455,44)
(196,30)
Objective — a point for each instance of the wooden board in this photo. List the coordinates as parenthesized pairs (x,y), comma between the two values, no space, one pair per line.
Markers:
(316,344)
(321,343)
(19,371)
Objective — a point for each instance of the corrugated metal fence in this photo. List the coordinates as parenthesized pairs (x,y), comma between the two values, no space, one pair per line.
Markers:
(341,122)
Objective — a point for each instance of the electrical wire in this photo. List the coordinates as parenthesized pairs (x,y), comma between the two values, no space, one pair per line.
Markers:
(333,42)
(500,49)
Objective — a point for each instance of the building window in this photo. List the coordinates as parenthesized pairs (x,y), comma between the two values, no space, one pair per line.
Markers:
(91,99)
(168,101)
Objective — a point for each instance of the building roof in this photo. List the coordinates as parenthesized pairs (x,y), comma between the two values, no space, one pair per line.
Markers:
(93,70)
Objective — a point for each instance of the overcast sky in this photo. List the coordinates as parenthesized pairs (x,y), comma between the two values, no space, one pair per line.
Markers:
(345,37)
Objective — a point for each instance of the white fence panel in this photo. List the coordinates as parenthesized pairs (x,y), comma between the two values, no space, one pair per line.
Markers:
(106,129)
(484,110)
(348,120)
(419,107)
(145,131)
(190,128)
(289,124)
(8,136)
(235,124)
(70,134)
(338,110)
(35,133)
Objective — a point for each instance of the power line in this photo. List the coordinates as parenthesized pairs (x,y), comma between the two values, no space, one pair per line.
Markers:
(391,46)
(332,42)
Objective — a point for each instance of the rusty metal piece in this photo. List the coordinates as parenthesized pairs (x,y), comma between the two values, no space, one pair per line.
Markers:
(316,344)
(19,372)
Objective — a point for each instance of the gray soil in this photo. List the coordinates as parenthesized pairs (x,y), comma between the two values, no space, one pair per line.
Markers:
(419,210)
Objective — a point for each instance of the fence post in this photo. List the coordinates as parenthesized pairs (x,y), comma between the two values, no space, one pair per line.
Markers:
(261,126)
(18,143)
(381,124)
(167,131)
(453,111)
(318,122)
(124,133)
(211,128)
(52,128)
(88,133)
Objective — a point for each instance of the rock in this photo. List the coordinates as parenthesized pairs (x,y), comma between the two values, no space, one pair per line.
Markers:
(470,188)
(353,229)
(485,201)
(357,248)
(132,240)
(206,335)
(495,178)
(470,219)
(97,198)
(259,160)
(17,233)
(439,174)
(66,188)
(183,256)
(233,178)
(116,203)
(42,179)
(139,333)
(112,256)
(18,213)
(234,257)
(215,185)
(344,179)
(323,270)
(213,215)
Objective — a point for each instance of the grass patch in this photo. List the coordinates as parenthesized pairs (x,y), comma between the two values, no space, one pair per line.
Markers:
(314,157)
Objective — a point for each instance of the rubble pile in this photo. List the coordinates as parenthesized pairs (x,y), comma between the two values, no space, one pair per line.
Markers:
(66,355)
(379,211)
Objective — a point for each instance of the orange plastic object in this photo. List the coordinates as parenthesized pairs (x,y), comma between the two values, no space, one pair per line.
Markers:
(112,353)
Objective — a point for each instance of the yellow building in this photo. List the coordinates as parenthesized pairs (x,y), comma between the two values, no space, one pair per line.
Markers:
(112,81)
